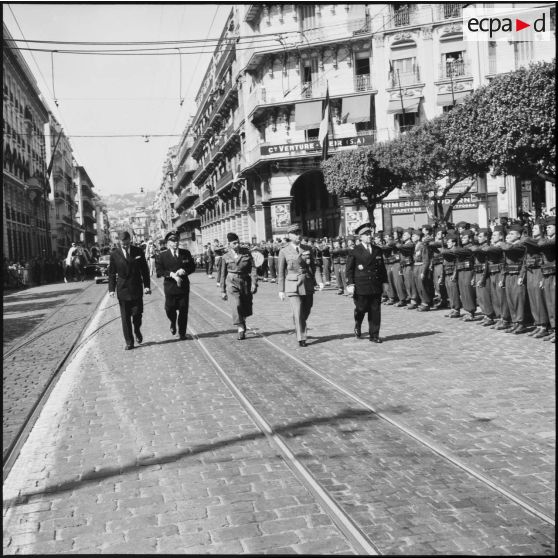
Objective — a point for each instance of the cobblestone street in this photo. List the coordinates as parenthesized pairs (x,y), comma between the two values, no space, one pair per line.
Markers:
(439,441)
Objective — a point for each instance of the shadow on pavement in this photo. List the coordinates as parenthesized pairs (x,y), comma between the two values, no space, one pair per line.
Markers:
(289,430)
(326,338)
(409,335)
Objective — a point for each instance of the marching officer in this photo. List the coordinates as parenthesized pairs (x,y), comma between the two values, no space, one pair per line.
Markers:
(481,276)
(175,264)
(532,276)
(127,272)
(548,285)
(297,279)
(514,253)
(239,281)
(366,276)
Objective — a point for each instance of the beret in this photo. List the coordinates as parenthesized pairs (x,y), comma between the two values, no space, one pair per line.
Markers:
(550,220)
(124,235)
(485,230)
(515,227)
(451,236)
(231,237)
(463,224)
(467,232)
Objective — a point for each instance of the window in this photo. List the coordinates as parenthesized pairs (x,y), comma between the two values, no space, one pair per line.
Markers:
(364,128)
(312,134)
(523,53)
(404,71)
(453,64)
(308,16)
(406,121)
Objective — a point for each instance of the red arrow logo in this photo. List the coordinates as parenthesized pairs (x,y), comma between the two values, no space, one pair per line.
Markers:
(519,25)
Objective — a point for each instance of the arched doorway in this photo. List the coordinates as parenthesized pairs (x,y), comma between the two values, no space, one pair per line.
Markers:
(314,207)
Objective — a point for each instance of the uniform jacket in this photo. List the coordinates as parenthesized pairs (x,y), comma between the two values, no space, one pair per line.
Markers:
(128,276)
(238,274)
(514,254)
(365,270)
(548,252)
(167,263)
(296,272)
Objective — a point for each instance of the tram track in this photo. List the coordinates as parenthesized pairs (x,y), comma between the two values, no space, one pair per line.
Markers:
(494,485)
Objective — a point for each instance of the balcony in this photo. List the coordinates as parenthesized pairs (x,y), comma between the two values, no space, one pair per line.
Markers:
(59,197)
(402,16)
(449,11)
(187,194)
(405,78)
(492,66)
(184,171)
(362,83)
(455,68)
(224,181)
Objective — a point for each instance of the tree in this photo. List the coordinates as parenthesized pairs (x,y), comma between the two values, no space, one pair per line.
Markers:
(361,174)
(435,164)
(512,122)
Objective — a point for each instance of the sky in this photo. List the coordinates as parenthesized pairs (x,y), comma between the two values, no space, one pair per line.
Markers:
(106,95)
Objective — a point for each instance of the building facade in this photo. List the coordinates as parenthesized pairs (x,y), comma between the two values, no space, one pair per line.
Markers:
(25,189)
(86,200)
(249,161)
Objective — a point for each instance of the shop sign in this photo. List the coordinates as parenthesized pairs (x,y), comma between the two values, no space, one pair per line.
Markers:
(417,206)
(294,148)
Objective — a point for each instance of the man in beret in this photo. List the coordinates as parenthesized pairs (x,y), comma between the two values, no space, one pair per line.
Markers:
(481,275)
(437,267)
(239,282)
(128,274)
(465,275)
(339,259)
(407,249)
(449,275)
(366,277)
(175,264)
(297,274)
(397,273)
(325,247)
(548,284)
(421,270)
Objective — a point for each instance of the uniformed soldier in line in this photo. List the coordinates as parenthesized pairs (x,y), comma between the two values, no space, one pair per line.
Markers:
(317,255)
(481,276)
(339,259)
(175,264)
(495,263)
(421,270)
(437,266)
(378,240)
(427,239)
(218,252)
(514,253)
(407,248)
(449,275)
(325,247)
(389,259)
(531,275)
(460,227)
(239,282)
(366,275)
(296,280)
(272,271)
(350,242)
(465,275)
(263,270)
(548,284)
(397,270)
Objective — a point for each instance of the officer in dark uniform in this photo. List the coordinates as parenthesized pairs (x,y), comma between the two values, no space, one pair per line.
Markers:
(449,275)
(175,264)
(548,284)
(514,253)
(366,276)
(481,276)
(407,249)
(532,276)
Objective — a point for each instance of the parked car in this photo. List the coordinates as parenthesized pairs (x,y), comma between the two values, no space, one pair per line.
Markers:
(98,270)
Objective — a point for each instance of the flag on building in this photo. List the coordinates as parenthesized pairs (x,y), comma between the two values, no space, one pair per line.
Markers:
(326,126)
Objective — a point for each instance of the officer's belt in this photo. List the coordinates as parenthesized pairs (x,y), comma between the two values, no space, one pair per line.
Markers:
(479,268)
(549,270)
(449,268)
(238,273)
(461,266)
(436,260)
(418,263)
(393,259)
(494,268)
(513,269)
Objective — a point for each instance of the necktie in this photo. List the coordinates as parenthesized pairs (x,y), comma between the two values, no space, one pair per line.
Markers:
(126,252)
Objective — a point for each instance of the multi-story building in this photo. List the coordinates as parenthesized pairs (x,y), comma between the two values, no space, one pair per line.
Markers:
(163,211)
(387,67)
(63,208)
(85,199)
(102,237)
(25,189)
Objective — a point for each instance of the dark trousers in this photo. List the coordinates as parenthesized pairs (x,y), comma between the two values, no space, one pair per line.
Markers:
(371,305)
(326,263)
(484,297)
(498,297)
(271,267)
(515,296)
(339,272)
(467,291)
(452,288)
(399,282)
(391,292)
(409,280)
(178,304)
(549,290)
(439,287)
(536,296)
(421,284)
(130,313)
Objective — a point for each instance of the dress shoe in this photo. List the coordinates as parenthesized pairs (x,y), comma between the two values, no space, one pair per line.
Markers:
(139,337)
(375,339)
(487,322)
(401,303)
(453,314)
(173,329)
(390,302)
(423,308)
(503,325)
(302,343)
(551,337)
(534,332)
(183,336)
(340,292)
(511,329)
(519,329)
(128,347)
(411,306)
(358,332)
(542,333)
(469,318)
(241,335)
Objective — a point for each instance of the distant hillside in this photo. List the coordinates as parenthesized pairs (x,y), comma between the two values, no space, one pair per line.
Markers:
(119,202)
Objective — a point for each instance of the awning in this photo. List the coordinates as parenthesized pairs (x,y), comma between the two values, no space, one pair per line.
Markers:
(356,109)
(409,103)
(445,99)
(452,46)
(308,115)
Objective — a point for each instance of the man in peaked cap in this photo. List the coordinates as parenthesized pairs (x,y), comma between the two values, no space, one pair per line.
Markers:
(127,274)
(296,277)
(175,264)
(366,276)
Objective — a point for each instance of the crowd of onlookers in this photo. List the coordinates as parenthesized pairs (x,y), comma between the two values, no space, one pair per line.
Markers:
(32,272)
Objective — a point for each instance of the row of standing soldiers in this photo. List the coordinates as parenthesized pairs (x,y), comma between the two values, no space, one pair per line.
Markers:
(507,272)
